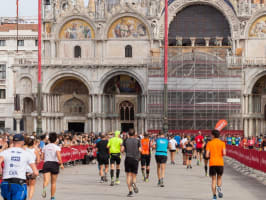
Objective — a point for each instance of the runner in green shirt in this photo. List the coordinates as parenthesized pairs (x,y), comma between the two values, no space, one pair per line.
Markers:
(114,146)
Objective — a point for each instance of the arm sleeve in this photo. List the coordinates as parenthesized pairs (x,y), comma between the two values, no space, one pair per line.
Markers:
(30,159)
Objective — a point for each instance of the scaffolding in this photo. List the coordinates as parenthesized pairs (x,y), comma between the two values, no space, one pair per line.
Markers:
(201,89)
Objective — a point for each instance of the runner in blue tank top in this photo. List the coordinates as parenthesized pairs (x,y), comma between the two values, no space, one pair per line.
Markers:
(161,146)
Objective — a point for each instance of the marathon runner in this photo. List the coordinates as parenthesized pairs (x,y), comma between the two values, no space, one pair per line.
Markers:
(161,146)
(132,148)
(103,157)
(206,159)
(215,150)
(177,139)
(114,146)
(172,149)
(16,160)
(31,179)
(189,152)
(199,144)
(146,145)
(52,160)
(183,145)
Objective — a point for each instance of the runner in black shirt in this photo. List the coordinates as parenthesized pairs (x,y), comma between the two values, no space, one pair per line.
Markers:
(103,157)
(132,148)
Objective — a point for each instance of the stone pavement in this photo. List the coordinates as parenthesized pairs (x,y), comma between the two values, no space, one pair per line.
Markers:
(81,183)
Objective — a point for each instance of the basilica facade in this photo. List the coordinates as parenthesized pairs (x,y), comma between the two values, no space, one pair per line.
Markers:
(102,66)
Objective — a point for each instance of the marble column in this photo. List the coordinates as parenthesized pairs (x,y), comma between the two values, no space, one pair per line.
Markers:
(246,127)
(257,127)
(34,123)
(250,104)
(44,103)
(48,125)
(18,125)
(93,125)
(251,127)
(99,103)
(100,125)
(262,126)
(103,129)
(246,102)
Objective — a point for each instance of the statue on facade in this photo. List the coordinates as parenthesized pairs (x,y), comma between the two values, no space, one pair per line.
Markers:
(153,8)
(100,9)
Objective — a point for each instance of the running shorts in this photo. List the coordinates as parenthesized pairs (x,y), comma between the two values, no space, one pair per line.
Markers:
(189,154)
(216,170)
(51,167)
(161,159)
(115,158)
(183,151)
(199,150)
(131,165)
(13,191)
(145,160)
(103,160)
(173,150)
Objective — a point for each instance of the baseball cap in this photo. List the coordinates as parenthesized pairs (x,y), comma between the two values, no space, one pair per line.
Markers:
(18,138)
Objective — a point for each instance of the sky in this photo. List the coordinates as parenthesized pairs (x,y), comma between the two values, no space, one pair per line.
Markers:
(26,8)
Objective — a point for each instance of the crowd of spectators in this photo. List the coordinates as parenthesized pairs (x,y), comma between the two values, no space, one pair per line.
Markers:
(258,143)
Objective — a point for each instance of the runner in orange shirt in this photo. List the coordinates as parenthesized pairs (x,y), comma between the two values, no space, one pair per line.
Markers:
(215,150)
(145,157)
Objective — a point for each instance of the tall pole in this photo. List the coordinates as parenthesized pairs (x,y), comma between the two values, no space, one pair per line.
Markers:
(165,117)
(17,22)
(39,94)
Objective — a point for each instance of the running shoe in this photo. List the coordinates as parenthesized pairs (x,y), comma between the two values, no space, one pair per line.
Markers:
(117,182)
(102,180)
(144,178)
(112,182)
(161,185)
(52,198)
(147,180)
(159,182)
(130,194)
(135,188)
(198,162)
(105,178)
(190,167)
(214,197)
(44,193)
(219,190)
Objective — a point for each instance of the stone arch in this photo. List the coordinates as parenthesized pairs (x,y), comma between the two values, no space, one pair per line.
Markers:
(108,76)
(260,13)
(74,106)
(220,5)
(61,75)
(119,16)
(64,21)
(28,105)
(252,81)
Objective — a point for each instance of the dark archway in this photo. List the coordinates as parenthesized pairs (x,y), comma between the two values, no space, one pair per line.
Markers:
(199,21)
(69,85)
(122,84)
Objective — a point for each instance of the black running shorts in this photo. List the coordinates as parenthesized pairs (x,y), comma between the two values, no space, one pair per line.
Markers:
(131,165)
(199,150)
(51,167)
(145,160)
(103,160)
(115,158)
(172,150)
(161,159)
(216,170)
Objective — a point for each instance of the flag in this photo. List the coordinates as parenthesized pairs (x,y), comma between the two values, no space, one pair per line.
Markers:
(221,125)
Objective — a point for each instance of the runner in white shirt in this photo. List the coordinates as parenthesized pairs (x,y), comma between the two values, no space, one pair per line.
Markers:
(183,144)
(16,160)
(52,160)
(31,180)
(172,149)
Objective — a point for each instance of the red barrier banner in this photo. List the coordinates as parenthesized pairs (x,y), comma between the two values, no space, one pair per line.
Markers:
(66,154)
(251,158)
(263,161)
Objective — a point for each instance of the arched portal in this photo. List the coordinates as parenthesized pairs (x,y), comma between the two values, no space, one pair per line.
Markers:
(124,99)
(70,97)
